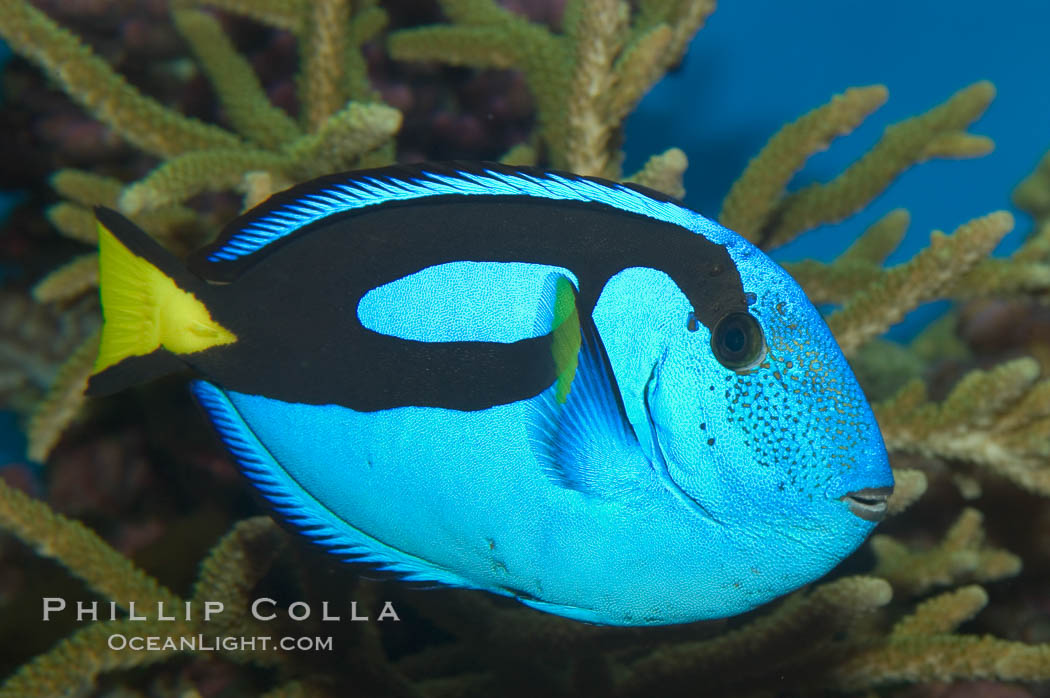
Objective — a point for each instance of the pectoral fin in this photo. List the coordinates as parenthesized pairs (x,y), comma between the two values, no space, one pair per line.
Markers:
(578,428)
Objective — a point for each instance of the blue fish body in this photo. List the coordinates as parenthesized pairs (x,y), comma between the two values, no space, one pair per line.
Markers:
(675,461)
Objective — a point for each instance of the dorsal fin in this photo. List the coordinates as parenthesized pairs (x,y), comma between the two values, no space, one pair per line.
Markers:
(293,211)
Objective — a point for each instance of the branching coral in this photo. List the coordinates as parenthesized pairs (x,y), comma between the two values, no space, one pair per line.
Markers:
(74,664)
(1033,193)
(585,80)
(267,150)
(36,340)
(960,557)
(1024,274)
(63,401)
(999,419)
(756,206)
(199,156)
(885,301)
(922,647)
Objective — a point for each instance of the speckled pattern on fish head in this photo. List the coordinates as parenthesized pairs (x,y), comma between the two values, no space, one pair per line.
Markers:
(775,448)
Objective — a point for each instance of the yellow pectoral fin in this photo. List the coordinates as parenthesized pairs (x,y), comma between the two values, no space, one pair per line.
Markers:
(565,338)
(144,309)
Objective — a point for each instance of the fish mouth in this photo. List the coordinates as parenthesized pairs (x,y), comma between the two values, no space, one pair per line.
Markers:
(869,503)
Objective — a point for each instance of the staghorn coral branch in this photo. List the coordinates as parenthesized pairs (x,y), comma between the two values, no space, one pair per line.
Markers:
(753,200)
(71,667)
(280,14)
(63,401)
(597,37)
(260,185)
(1032,195)
(69,280)
(999,419)
(235,82)
(584,80)
(487,36)
(369,658)
(909,485)
(1003,278)
(87,188)
(74,222)
(941,658)
(81,551)
(238,561)
(1024,274)
(885,301)
(877,242)
(902,145)
(1037,247)
(521,154)
(365,25)
(78,222)
(34,340)
(663,173)
(856,268)
(943,613)
(798,625)
(323,53)
(687,19)
(835,282)
(462,46)
(479,12)
(957,144)
(684,17)
(229,574)
(960,557)
(343,140)
(638,67)
(90,81)
(185,176)
(922,648)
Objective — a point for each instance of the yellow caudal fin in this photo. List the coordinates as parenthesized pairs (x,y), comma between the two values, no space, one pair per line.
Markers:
(144,309)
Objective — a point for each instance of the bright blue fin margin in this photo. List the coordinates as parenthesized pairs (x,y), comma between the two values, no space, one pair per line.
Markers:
(296,506)
(337,194)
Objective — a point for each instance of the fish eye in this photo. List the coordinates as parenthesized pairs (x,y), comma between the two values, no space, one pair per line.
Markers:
(738,342)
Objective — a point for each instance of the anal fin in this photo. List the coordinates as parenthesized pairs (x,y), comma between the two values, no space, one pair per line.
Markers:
(301,510)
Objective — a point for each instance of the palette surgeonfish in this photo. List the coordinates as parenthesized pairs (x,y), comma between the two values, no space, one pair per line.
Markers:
(556,388)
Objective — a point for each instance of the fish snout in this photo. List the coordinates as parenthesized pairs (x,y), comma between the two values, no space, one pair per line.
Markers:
(868,503)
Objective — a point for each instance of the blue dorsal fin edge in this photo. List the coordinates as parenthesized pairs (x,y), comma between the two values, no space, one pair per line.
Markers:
(585,442)
(285,214)
(298,508)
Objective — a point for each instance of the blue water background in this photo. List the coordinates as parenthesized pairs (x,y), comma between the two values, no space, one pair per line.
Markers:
(761,63)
